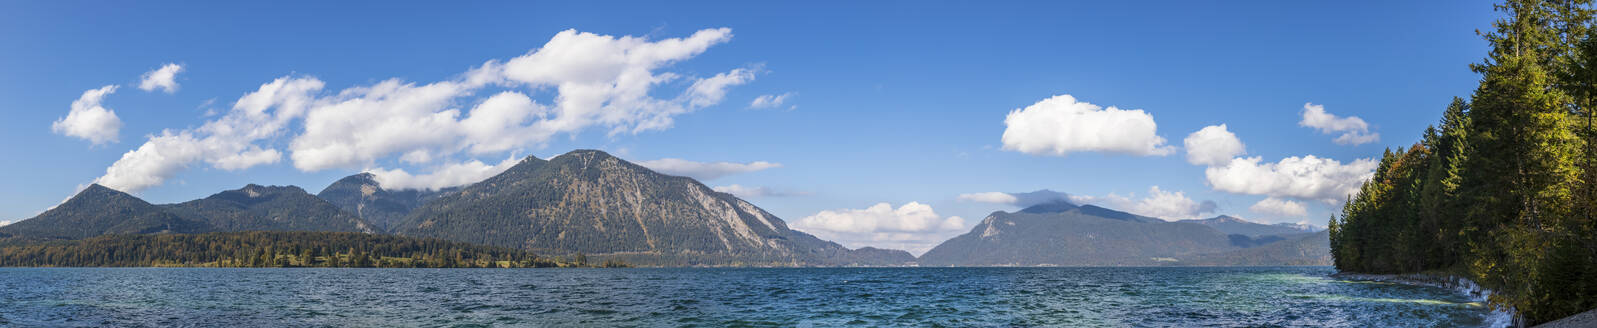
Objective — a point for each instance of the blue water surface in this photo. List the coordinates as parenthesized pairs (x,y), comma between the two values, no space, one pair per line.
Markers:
(801,297)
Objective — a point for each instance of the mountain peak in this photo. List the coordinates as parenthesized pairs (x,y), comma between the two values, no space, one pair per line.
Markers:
(360,178)
(96,190)
(255,190)
(591,202)
(100,210)
(95,187)
(1056,206)
(588,152)
(95,193)
(1235,225)
(1227,218)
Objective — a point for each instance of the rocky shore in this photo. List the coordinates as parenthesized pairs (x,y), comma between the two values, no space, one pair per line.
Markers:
(1500,317)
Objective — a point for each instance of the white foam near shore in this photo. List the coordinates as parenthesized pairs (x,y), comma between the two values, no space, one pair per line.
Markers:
(1499,317)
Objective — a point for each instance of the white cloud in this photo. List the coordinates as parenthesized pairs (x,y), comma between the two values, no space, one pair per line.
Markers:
(160,158)
(606,80)
(1213,145)
(88,120)
(1062,125)
(6,223)
(443,176)
(597,81)
(363,124)
(1308,177)
(1169,205)
(770,101)
(164,78)
(1354,130)
(749,192)
(226,143)
(712,90)
(913,227)
(1279,208)
(1158,204)
(704,171)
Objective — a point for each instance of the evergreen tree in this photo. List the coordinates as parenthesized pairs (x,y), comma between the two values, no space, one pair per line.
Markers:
(1506,188)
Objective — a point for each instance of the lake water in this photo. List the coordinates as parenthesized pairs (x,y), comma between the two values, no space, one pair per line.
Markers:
(917,297)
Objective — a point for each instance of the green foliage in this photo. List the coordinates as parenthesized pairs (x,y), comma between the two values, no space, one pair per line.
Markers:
(270,249)
(1504,190)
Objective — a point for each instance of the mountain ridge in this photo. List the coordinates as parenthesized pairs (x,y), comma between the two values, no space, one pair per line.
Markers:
(98,210)
(269,208)
(587,201)
(1235,225)
(362,195)
(1063,234)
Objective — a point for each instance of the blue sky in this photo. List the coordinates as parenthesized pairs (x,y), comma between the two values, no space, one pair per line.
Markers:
(888,102)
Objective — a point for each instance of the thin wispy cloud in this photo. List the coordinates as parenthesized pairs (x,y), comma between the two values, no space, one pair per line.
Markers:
(772,101)
(1354,131)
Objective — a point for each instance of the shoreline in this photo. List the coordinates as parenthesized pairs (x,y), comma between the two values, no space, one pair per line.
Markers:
(1499,317)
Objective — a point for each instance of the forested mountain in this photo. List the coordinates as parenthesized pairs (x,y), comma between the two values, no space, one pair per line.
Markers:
(1067,235)
(1232,225)
(98,210)
(268,208)
(363,196)
(587,201)
(1504,191)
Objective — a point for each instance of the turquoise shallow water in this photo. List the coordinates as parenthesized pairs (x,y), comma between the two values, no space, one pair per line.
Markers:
(913,297)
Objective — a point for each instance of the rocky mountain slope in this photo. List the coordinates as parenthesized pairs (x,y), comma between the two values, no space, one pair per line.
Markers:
(363,196)
(587,201)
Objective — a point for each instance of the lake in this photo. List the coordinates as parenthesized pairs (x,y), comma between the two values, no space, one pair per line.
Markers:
(822,297)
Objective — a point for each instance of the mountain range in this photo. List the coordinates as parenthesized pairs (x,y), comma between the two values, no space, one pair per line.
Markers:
(1064,234)
(591,203)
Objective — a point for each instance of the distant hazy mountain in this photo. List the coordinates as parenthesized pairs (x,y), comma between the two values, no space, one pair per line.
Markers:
(1232,225)
(1300,249)
(269,208)
(363,196)
(1064,234)
(98,211)
(590,202)
(1301,227)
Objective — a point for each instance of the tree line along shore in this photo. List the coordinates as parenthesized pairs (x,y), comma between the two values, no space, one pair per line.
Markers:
(273,249)
(1504,190)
